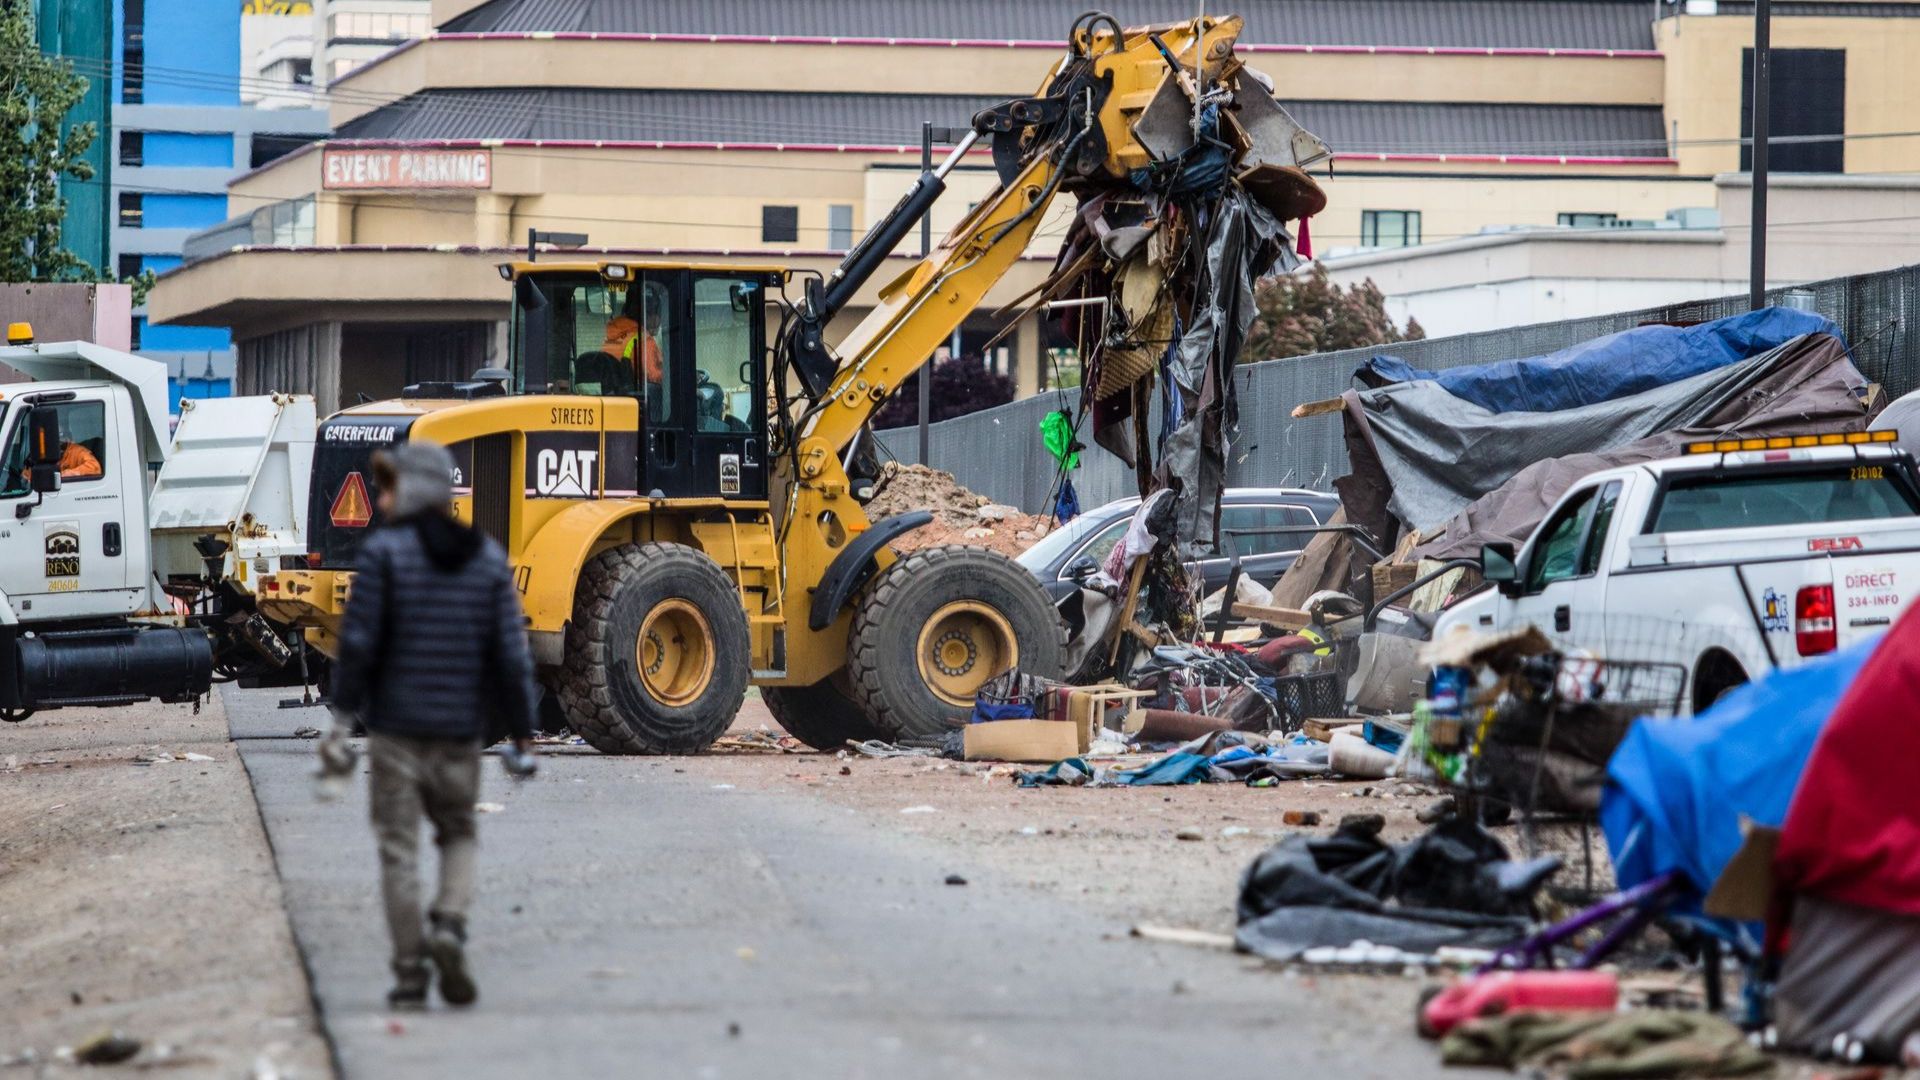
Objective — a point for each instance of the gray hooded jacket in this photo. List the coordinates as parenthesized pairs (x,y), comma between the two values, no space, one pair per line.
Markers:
(434,641)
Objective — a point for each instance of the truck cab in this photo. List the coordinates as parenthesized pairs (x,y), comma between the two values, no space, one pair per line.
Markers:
(1742,556)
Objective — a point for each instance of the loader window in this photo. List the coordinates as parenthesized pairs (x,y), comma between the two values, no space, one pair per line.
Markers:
(602,339)
(723,312)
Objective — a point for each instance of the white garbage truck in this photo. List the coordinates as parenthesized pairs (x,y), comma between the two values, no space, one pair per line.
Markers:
(127,546)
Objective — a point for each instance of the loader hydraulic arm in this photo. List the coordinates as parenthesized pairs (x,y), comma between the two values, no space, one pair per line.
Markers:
(1079,129)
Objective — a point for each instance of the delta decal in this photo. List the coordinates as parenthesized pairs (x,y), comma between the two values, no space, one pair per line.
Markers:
(352,509)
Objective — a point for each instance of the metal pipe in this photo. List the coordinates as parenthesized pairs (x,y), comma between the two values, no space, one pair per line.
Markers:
(1762,130)
(923,380)
(959,151)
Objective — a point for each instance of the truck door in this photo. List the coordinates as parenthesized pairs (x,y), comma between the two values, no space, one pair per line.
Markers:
(729,330)
(66,553)
(1562,590)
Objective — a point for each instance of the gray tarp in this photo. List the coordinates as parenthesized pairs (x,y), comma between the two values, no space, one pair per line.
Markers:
(1441,453)
(1806,385)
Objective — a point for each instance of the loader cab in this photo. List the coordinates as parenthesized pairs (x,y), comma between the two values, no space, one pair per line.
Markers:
(689,343)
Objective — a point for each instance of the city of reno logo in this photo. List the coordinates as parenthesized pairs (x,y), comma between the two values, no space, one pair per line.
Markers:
(62,546)
(564,474)
(351,509)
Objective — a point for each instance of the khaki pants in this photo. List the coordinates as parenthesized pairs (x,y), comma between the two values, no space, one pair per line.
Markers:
(440,779)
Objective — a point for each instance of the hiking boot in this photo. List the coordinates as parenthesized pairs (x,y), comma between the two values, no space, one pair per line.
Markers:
(447,946)
(409,993)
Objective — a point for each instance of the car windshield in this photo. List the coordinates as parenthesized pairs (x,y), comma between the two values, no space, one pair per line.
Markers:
(1065,538)
(1842,493)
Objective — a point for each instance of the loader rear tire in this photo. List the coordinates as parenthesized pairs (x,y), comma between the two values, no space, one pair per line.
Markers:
(658,651)
(823,715)
(936,625)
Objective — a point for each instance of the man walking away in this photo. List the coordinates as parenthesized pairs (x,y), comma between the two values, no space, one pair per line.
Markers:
(433,639)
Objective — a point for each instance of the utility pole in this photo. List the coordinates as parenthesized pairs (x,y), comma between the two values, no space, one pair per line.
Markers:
(925,379)
(1762,101)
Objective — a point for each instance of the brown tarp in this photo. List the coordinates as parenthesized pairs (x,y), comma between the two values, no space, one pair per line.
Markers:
(1811,387)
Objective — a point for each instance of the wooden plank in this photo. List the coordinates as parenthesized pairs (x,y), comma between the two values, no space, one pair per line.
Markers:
(1319,408)
(1323,729)
(1285,618)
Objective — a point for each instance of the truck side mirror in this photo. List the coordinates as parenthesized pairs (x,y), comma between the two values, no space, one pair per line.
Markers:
(43,439)
(44,477)
(1498,565)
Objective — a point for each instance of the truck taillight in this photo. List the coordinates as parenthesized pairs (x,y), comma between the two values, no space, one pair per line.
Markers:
(315,559)
(1813,622)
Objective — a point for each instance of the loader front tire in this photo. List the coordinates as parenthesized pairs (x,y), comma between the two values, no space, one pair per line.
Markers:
(936,625)
(823,715)
(657,653)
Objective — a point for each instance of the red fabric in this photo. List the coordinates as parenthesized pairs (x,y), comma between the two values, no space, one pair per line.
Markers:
(1280,648)
(1303,243)
(1852,834)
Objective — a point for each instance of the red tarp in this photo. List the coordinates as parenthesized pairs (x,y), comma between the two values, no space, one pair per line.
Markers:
(1852,833)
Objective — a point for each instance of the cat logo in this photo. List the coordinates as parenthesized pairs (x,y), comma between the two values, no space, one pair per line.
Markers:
(63,550)
(729,474)
(565,474)
(351,508)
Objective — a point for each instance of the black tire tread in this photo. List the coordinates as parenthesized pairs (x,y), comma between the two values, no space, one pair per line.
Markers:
(582,678)
(870,632)
(819,715)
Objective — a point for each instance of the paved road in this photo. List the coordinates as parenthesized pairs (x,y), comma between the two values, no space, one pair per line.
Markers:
(631,919)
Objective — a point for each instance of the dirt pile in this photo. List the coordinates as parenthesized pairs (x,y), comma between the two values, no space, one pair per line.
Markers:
(959,515)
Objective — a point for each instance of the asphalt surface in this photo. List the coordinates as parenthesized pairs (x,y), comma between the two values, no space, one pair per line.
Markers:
(636,921)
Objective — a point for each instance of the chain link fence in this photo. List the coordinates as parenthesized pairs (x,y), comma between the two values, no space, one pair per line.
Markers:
(998,453)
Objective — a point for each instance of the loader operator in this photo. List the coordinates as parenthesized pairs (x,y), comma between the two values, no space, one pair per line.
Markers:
(637,340)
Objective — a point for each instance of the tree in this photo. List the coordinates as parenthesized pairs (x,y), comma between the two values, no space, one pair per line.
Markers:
(959,387)
(1298,315)
(36,93)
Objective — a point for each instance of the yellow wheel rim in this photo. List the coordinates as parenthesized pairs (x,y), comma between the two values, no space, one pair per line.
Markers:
(963,645)
(674,653)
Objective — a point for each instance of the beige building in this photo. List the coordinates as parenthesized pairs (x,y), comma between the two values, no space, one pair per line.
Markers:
(724,129)
(1822,226)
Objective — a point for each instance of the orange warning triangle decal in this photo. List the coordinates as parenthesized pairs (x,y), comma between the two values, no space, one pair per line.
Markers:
(351,508)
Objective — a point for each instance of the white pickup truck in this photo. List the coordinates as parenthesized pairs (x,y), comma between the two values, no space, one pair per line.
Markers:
(1743,555)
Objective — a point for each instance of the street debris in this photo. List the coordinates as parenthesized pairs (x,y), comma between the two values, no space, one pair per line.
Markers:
(956,879)
(919,810)
(164,757)
(306,733)
(488,807)
(106,1048)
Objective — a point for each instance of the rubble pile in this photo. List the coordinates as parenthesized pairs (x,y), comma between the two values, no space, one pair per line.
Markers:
(959,515)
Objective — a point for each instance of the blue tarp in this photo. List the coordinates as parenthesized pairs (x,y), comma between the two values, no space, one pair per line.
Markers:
(1677,788)
(1629,362)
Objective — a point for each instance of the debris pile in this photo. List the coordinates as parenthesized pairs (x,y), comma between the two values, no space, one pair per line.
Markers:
(959,515)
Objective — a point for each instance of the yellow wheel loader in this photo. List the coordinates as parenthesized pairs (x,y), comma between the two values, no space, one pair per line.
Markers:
(666,459)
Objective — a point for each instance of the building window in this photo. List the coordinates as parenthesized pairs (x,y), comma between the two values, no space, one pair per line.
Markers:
(133,49)
(1389,228)
(375,26)
(839,227)
(132,147)
(129,266)
(779,224)
(267,148)
(131,210)
(1590,221)
(139,329)
(1808,97)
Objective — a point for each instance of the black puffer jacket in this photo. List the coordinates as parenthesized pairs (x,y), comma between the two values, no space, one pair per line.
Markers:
(434,640)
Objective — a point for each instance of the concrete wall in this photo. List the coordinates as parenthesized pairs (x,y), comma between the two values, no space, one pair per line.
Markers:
(70,311)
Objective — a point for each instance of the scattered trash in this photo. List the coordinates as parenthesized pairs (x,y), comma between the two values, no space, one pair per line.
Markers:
(745,952)
(488,807)
(1646,1044)
(1178,935)
(1231,831)
(956,879)
(919,810)
(1509,992)
(1189,834)
(106,1048)
(306,733)
(723,787)
(1300,818)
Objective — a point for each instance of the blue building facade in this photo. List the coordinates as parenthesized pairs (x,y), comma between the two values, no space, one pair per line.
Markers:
(180,132)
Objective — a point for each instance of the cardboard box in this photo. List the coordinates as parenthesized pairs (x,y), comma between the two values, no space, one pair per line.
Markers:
(1745,887)
(1040,742)
(1087,707)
